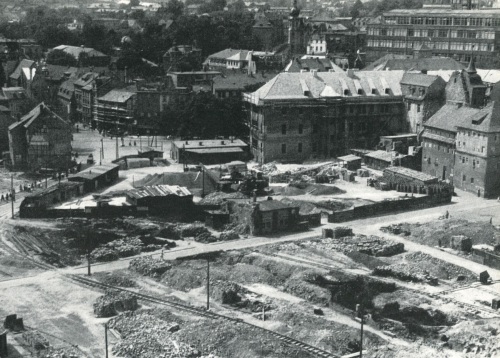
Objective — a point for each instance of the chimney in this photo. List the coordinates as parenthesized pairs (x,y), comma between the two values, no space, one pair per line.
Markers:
(201,143)
(232,139)
(315,73)
(424,71)
(350,73)
(187,142)
(222,142)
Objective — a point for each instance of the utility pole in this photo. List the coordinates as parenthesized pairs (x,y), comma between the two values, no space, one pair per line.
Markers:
(208,283)
(88,256)
(202,180)
(361,313)
(106,337)
(12,194)
(102,148)
(117,154)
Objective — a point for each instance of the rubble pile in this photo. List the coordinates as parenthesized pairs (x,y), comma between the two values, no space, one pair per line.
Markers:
(370,245)
(226,292)
(228,235)
(205,237)
(193,230)
(113,302)
(404,272)
(66,352)
(219,197)
(115,280)
(439,268)
(396,229)
(35,340)
(475,339)
(126,247)
(302,188)
(149,266)
(104,254)
(147,335)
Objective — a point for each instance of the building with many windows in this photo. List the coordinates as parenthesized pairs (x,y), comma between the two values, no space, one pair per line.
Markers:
(461,142)
(297,116)
(452,33)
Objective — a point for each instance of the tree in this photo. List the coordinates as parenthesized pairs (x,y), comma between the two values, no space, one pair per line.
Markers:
(175,8)
(134,3)
(356,8)
(59,57)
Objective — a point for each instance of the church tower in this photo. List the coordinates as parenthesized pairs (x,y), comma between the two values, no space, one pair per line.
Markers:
(295,31)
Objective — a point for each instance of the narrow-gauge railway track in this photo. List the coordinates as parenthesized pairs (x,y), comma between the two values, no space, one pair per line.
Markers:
(436,295)
(313,351)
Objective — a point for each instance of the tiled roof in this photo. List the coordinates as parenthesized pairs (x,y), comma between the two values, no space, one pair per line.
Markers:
(29,118)
(116,96)
(320,64)
(418,79)
(67,89)
(310,85)
(349,158)
(448,116)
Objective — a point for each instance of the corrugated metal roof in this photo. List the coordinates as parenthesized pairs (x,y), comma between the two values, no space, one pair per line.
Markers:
(412,174)
(158,190)
(209,143)
(95,171)
(349,158)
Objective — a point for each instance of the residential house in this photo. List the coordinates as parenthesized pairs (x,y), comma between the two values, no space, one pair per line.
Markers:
(40,139)
(96,177)
(423,96)
(179,57)
(86,56)
(66,96)
(297,116)
(234,84)
(208,151)
(23,74)
(16,99)
(115,110)
(5,121)
(391,62)
(85,86)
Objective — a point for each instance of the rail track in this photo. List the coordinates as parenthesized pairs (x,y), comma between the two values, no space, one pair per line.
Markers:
(434,295)
(313,351)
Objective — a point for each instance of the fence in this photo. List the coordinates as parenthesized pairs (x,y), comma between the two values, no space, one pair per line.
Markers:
(384,207)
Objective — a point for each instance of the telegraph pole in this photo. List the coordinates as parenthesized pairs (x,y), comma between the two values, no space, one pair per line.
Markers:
(208,283)
(106,337)
(102,148)
(12,194)
(117,154)
(361,313)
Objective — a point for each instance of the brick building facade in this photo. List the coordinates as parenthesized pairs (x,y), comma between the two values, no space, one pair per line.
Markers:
(297,116)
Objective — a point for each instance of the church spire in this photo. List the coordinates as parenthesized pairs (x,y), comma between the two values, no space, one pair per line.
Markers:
(471,69)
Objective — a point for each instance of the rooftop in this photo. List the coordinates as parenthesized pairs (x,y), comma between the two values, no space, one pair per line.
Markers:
(447,12)
(95,171)
(158,190)
(418,79)
(382,155)
(75,51)
(412,174)
(209,143)
(293,86)
(270,205)
(117,96)
(349,158)
(408,63)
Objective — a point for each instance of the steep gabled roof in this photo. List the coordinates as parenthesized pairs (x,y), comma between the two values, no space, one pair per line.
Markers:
(24,64)
(34,114)
(418,79)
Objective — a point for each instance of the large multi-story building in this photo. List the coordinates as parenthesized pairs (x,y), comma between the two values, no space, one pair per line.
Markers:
(115,110)
(297,116)
(446,32)
(461,142)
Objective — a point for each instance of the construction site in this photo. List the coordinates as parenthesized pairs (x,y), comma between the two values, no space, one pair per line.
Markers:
(266,261)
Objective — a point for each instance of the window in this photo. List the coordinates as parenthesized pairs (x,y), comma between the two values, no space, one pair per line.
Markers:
(418,108)
(301,128)
(482,149)
(283,129)
(283,148)
(464,177)
(472,180)
(299,148)
(301,110)
(463,159)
